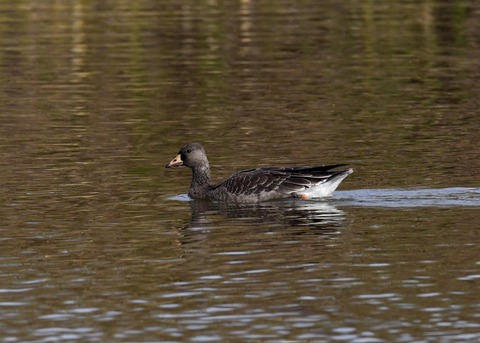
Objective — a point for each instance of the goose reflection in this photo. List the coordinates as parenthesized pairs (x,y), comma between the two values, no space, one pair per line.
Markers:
(314,214)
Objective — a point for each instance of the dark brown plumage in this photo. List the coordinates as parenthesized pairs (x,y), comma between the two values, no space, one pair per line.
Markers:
(258,184)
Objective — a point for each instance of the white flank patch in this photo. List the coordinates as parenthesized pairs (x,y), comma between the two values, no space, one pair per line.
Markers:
(325,189)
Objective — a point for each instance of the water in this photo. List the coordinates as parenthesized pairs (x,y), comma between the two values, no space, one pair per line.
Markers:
(100,242)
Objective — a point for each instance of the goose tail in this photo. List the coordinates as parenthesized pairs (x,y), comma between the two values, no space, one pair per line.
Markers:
(326,188)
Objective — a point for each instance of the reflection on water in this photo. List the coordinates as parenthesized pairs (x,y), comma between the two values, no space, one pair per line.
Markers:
(324,213)
(290,213)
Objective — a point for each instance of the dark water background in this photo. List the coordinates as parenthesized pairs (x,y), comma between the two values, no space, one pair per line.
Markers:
(97,241)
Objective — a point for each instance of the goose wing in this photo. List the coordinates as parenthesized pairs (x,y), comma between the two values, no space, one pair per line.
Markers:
(283,180)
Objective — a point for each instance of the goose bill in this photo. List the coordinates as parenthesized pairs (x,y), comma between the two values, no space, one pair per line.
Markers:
(176,162)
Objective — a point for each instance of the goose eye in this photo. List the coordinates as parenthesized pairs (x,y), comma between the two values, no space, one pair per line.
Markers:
(189,151)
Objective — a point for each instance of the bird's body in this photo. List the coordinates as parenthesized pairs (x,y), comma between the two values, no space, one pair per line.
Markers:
(260,184)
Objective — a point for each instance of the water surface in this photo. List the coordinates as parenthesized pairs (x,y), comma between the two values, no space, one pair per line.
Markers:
(98,240)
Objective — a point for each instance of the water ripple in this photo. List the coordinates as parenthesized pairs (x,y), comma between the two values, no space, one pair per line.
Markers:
(424,197)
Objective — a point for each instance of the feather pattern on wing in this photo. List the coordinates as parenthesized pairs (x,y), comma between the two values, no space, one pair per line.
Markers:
(277,179)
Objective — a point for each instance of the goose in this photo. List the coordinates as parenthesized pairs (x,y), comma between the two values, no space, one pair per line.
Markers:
(259,184)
